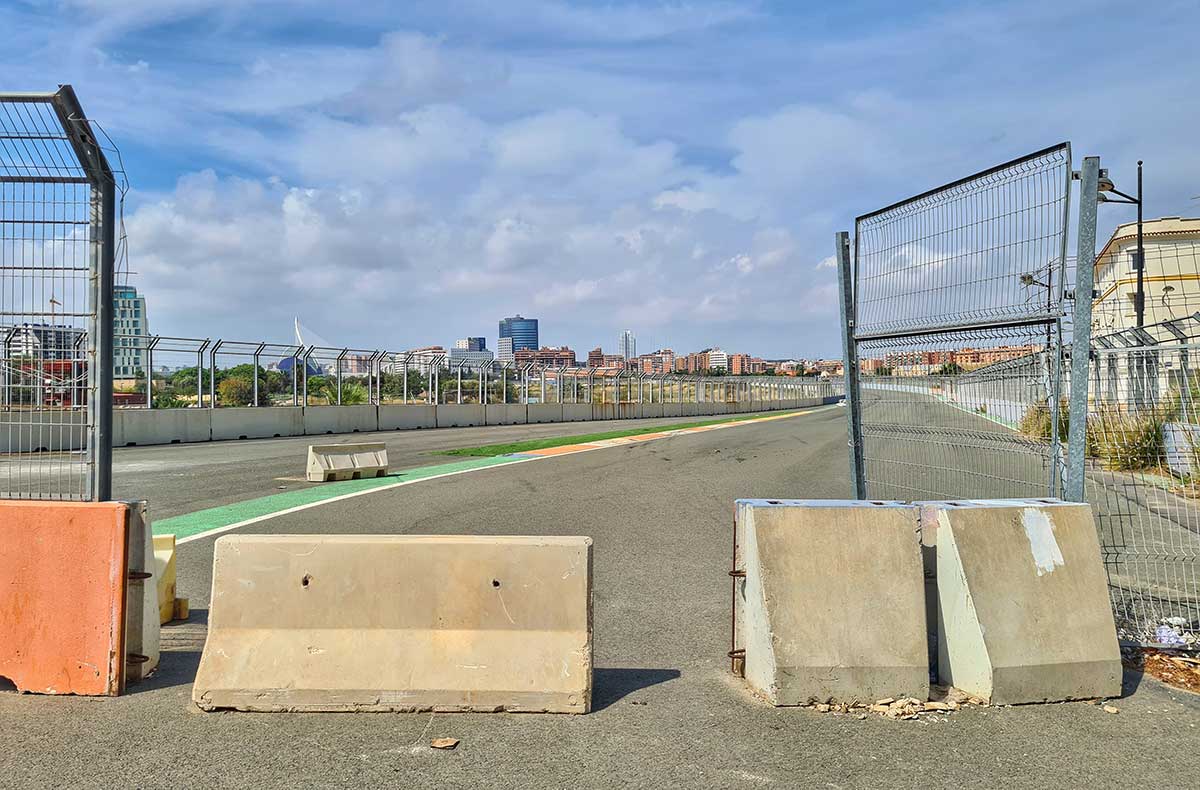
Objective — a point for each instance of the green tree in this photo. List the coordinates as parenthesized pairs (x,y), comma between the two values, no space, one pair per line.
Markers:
(235,391)
(950,369)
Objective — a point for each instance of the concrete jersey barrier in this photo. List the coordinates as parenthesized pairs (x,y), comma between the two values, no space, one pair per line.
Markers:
(1024,612)
(398,623)
(831,606)
(328,462)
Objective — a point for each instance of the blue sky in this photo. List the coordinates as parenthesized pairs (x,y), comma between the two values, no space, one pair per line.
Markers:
(405,176)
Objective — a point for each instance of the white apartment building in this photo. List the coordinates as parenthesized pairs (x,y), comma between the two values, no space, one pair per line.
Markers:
(1171,280)
(131,330)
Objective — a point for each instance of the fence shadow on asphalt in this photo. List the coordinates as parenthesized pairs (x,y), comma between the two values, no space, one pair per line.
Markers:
(611,685)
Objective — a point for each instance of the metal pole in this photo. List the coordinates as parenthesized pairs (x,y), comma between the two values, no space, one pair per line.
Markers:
(1141,256)
(212,374)
(850,365)
(200,374)
(458,395)
(1081,339)
(150,372)
(257,356)
(340,357)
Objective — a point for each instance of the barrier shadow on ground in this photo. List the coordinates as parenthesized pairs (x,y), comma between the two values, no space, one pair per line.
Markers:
(180,646)
(610,685)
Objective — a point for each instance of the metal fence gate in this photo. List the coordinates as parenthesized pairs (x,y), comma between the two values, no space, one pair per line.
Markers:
(57,244)
(953,308)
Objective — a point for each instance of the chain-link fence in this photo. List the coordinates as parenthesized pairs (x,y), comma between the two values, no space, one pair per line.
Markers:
(57,242)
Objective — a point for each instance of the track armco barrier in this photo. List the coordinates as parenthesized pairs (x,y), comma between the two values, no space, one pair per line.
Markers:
(1024,613)
(398,623)
(829,601)
(328,462)
(63,587)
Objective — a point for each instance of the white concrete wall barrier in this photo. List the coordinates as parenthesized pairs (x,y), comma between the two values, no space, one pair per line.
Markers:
(509,413)
(257,422)
(545,412)
(459,415)
(1023,606)
(809,611)
(340,419)
(446,623)
(161,426)
(672,409)
(652,410)
(575,412)
(691,409)
(403,417)
(329,462)
(629,411)
(604,411)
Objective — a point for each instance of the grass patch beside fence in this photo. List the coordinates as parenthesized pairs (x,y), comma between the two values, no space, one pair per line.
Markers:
(559,441)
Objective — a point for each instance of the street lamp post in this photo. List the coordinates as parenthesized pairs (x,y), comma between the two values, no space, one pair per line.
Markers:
(1104,185)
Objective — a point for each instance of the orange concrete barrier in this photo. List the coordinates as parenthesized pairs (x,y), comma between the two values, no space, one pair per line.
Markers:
(63,580)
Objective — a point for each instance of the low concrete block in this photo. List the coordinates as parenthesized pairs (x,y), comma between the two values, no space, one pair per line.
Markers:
(56,430)
(604,411)
(545,412)
(509,413)
(1023,606)
(257,423)
(161,426)
(398,623)
(831,606)
(164,577)
(328,462)
(407,416)
(64,577)
(652,410)
(459,415)
(575,412)
(672,409)
(690,409)
(340,419)
(629,411)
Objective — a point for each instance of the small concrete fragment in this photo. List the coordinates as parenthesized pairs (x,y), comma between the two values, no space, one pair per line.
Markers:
(328,462)
(399,623)
(1023,606)
(831,607)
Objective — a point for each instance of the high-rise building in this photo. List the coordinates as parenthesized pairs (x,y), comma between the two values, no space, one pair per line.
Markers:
(627,345)
(596,358)
(504,350)
(471,344)
(130,332)
(468,359)
(523,331)
(718,359)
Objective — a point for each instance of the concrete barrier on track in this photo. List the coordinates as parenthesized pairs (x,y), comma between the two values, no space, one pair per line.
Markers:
(161,426)
(340,419)
(63,576)
(507,413)
(402,417)
(398,623)
(328,462)
(257,422)
(460,415)
(577,412)
(831,606)
(1023,605)
(545,412)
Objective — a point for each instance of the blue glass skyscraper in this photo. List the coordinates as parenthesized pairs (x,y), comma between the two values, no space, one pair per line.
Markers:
(523,331)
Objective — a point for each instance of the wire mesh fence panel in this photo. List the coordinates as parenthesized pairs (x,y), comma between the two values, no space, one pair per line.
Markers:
(1143,477)
(955,330)
(56,262)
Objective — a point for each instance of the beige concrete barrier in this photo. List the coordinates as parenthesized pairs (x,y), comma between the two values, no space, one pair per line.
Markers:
(398,623)
(328,462)
(1023,607)
(831,606)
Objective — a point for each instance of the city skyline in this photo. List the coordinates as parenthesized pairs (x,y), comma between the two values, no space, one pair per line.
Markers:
(583,163)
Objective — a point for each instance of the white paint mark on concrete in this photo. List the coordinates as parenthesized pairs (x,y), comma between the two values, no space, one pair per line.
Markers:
(1040,532)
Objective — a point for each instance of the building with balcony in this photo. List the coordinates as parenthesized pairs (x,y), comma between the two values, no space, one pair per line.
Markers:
(131,332)
(1171,279)
(547,357)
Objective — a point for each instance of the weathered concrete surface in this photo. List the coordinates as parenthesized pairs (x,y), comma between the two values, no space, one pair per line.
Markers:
(544,412)
(399,623)
(257,422)
(63,596)
(327,462)
(576,412)
(164,576)
(458,415)
(340,419)
(832,605)
(161,426)
(506,414)
(407,416)
(1023,606)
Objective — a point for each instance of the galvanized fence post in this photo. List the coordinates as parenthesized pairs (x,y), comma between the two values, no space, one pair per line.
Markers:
(1082,329)
(850,364)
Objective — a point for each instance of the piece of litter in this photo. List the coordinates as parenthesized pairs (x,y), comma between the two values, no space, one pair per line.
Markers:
(1111,709)
(444,743)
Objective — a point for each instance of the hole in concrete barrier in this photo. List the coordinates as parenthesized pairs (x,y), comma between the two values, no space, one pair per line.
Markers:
(242,436)
(495,582)
(878,503)
(304,582)
(131,444)
(774,502)
(276,436)
(174,441)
